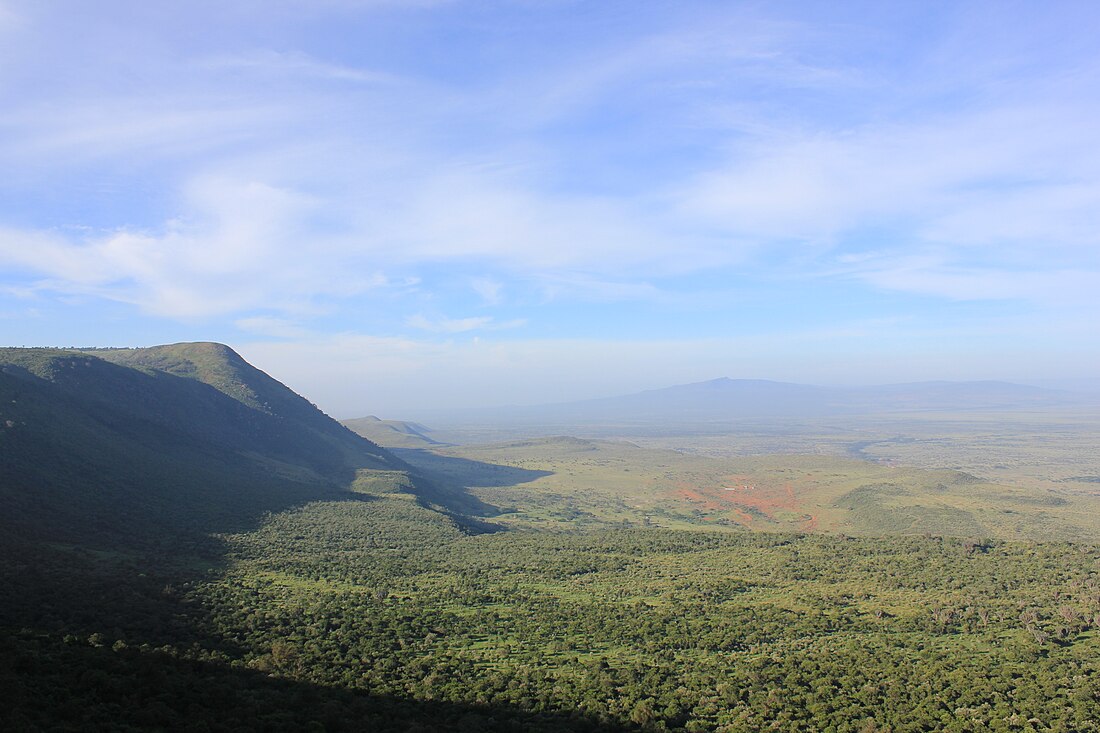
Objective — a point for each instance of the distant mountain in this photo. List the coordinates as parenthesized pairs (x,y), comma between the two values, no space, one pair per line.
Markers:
(102,442)
(1083,386)
(392,433)
(730,400)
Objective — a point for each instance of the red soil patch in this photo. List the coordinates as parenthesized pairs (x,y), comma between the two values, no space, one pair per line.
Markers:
(697,497)
(768,499)
(737,493)
(744,516)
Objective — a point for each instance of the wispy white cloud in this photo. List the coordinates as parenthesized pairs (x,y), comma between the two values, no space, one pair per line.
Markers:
(940,277)
(817,185)
(1056,218)
(242,245)
(8,18)
(980,193)
(385,183)
(490,290)
(461,325)
(448,325)
(472,213)
(586,288)
(283,64)
(48,136)
(271,326)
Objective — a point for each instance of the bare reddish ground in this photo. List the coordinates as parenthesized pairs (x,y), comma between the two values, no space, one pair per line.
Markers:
(767,498)
(742,515)
(697,496)
(747,493)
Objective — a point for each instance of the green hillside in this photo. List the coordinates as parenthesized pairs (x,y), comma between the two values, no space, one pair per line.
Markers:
(136,442)
(288,423)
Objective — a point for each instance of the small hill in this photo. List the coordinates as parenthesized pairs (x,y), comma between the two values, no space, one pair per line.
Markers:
(127,442)
(392,433)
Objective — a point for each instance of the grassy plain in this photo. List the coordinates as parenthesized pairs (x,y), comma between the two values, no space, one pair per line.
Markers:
(1058,449)
(1025,475)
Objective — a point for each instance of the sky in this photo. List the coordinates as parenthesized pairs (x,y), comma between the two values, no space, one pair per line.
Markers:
(399,205)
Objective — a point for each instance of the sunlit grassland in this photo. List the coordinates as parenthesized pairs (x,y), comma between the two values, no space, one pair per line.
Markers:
(576,483)
(1045,449)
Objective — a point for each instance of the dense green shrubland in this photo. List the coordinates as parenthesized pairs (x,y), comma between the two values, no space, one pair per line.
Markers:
(379,602)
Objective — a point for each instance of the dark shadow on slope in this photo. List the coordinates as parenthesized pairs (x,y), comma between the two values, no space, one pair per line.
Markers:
(159,411)
(111,639)
(451,496)
(92,685)
(94,638)
(90,451)
(466,472)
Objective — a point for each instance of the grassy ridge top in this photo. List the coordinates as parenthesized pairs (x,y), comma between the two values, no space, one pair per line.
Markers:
(226,371)
(210,363)
(220,367)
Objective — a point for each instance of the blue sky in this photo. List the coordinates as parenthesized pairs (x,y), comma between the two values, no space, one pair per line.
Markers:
(401,205)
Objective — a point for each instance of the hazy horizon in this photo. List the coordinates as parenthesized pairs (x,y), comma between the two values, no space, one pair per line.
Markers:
(399,206)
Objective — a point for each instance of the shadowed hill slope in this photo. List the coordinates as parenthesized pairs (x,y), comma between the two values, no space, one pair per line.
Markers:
(102,444)
(288,423)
